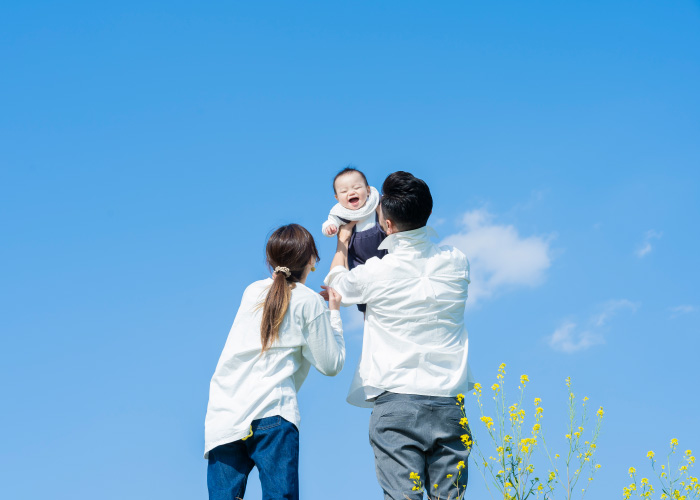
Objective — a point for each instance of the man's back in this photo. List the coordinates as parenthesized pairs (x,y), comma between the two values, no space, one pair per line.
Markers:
(414,336)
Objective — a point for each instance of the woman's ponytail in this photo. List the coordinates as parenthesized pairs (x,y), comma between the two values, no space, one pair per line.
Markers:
(289,250)
(274,309)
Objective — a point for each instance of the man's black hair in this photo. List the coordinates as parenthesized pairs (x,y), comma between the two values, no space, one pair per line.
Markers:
(406,201)
(348,170)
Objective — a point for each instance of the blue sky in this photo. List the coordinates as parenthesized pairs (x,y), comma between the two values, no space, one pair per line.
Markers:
(148,148)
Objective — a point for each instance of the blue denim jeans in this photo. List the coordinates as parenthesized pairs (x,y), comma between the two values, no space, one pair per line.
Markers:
(421,434)
(273,448)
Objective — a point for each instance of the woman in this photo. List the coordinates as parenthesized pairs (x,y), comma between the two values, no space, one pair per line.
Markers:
(281,329)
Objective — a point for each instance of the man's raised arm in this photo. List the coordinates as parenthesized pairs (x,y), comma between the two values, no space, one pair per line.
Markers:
(339,277)
(341,252)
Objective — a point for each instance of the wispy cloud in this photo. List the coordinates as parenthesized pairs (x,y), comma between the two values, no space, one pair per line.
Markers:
(682,309)
(353,321)
(646,247)
(569,337)
(610,308)
(500,258)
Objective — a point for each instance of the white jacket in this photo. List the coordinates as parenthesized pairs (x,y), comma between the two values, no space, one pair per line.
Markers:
(247,385)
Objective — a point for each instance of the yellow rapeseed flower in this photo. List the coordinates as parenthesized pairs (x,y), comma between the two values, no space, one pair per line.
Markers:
(477,386)
(523,379)
(460,397)
(537,401)
(632,470)
(650,454)
(448,476)
(674,442)
(413,475)
(463,421)
(539,410)
(495,387)
(466,440)
(600,412)
(488,421)
(460,465)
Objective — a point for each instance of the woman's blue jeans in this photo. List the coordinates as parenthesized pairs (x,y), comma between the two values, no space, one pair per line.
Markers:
(273,448)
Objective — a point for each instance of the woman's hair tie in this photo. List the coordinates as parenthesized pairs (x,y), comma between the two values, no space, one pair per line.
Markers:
(285,270)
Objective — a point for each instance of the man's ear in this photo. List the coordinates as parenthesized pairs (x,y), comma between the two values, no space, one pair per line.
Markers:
(335,196)
(390,227)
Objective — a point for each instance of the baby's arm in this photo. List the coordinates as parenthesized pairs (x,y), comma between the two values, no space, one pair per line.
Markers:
(331,226)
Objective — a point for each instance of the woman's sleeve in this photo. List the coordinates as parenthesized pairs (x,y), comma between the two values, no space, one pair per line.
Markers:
(325,346)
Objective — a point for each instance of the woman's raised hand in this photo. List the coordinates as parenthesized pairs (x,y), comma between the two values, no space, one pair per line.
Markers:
(332,297)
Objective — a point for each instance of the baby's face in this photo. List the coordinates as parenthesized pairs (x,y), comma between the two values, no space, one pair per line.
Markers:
(351,191)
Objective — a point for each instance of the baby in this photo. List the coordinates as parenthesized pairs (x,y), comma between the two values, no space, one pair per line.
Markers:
(357,201)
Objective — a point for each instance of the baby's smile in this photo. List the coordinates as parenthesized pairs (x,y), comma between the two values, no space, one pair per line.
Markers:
(351,190)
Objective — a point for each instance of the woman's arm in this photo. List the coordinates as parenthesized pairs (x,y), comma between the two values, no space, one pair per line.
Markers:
(325,346)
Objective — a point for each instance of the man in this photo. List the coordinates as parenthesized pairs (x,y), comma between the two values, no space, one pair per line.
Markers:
(414,353)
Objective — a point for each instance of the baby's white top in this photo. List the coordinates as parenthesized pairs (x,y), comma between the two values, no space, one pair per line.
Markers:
(364,215)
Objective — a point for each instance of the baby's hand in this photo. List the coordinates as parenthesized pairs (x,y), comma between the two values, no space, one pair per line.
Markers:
(331,230)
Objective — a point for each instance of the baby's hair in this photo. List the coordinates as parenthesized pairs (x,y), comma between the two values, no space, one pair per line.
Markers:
(347,170)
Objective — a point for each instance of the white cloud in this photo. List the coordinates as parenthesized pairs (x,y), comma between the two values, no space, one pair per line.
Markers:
(646,247)
(499,257)
(682,309)
(610,308)
(353,321)
(569,338)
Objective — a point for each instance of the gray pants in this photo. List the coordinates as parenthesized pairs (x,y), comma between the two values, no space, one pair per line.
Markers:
(421,434)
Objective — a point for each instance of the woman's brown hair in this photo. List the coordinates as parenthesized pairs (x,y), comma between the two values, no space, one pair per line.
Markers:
(291,247)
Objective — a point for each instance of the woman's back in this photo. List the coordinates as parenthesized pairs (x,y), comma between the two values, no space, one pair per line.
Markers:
(249,384)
